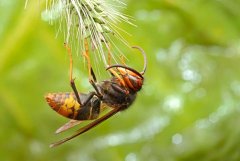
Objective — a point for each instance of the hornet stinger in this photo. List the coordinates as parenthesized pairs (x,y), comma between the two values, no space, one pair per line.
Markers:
(118,93)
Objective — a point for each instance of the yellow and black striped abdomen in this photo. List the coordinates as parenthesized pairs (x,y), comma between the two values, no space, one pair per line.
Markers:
(64,103)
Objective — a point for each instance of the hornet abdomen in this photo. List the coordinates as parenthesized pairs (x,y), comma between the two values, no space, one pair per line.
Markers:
(66,105)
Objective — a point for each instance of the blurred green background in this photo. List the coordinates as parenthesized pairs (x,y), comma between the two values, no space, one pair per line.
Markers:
(188,109)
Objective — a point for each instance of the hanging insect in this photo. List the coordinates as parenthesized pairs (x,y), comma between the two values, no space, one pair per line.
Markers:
(118,93)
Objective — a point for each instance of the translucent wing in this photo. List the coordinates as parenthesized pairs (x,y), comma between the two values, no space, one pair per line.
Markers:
(68,125)
(87,127)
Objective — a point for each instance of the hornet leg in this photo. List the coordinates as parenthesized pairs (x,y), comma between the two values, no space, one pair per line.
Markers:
(91,74)
(72,83)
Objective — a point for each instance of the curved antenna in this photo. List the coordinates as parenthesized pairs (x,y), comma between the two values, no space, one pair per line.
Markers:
(125,67)
(144,57)
(131,69)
